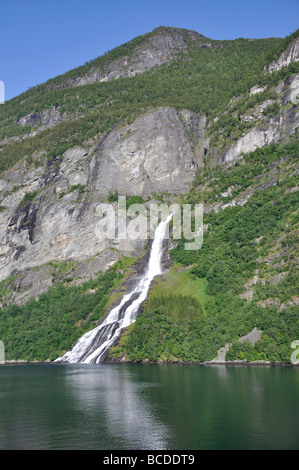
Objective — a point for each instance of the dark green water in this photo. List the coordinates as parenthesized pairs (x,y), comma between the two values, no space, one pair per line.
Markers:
(148,407)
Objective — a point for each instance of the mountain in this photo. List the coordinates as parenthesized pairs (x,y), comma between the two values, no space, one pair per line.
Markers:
(173,117)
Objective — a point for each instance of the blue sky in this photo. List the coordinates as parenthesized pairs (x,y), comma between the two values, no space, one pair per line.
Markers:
(41,39)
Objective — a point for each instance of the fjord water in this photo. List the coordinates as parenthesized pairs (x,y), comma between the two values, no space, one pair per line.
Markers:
(149,407)
(92,346)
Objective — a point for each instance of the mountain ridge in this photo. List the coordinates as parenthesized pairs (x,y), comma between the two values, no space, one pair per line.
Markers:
(126,48)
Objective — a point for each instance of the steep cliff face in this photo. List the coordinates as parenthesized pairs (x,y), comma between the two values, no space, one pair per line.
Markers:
(290,55)
(49,212)
(265,128)
(274,130)
(152,155)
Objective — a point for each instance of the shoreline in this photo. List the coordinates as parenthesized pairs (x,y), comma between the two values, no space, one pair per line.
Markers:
(210,363)
(170,363)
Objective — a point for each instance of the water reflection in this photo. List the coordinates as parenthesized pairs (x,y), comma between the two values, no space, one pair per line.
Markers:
(89,406)
(112,396)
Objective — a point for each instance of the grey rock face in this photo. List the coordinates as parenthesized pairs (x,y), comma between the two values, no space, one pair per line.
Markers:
(48,116)
(34,281)
(255,138)
(287,57)
(267,130)
(152,155)
(43,120)
(58,221)
(159,49)
(290,91)
(38,121)
(252,337)
(279,127)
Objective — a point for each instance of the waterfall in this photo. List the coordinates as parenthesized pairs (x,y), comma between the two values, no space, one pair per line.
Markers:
(93,345)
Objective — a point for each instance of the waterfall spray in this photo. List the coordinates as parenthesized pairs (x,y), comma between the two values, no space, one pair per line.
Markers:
(93,345)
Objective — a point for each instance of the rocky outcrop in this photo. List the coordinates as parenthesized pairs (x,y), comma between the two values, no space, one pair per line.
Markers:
(291,54)
(266,130)
(156,49)
(294,301)
(159,49)
(32,282)
(280,127)
(255,138)
(252,337)
(38,121)
(46,118)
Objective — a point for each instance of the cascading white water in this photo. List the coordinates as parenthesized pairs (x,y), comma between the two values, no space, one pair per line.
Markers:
(92,346)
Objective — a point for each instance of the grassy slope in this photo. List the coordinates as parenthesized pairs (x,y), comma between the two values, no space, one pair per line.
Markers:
(177,281)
